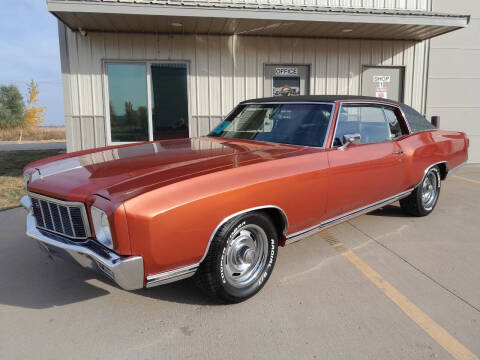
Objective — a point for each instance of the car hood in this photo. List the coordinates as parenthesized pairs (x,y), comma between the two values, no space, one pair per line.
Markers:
(120,173)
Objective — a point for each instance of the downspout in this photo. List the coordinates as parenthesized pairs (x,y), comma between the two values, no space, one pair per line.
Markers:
(426,67)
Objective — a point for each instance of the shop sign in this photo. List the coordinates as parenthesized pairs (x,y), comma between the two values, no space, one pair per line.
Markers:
(381,90)
(382,78)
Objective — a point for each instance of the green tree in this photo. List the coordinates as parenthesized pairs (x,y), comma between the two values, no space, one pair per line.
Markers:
(12,107)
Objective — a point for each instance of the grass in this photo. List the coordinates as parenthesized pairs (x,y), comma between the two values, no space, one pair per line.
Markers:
(41,133)
(12,186)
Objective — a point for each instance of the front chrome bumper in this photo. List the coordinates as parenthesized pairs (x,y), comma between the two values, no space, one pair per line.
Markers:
(126,271)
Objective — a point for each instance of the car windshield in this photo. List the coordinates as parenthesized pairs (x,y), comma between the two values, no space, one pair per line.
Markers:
(297,124)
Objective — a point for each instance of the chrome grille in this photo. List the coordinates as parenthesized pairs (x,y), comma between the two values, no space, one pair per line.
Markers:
(62,217)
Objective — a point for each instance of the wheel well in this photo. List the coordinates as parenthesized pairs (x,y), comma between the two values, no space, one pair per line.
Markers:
(443,170)
(280,222)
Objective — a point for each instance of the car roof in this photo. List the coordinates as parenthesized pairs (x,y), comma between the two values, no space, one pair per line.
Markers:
(416,121)
(317,98)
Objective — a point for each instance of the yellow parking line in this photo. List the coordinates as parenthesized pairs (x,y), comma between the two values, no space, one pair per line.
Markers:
(466,179)
(439,334)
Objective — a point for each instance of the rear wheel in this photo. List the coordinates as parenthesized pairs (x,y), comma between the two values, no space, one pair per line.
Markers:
(423,199)
(240,259)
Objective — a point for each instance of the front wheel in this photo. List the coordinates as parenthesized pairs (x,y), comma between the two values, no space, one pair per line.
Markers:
(240,259)
(423,199)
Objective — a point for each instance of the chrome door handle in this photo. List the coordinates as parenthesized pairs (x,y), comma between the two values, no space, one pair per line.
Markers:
(398,152)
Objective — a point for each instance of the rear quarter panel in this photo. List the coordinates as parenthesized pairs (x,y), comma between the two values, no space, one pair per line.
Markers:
(171,226)
(423,149)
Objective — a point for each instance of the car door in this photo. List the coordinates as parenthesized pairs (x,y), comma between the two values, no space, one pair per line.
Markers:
(365,173)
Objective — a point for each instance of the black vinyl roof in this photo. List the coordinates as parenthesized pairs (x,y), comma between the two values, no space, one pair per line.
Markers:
(416,121)
(317,98)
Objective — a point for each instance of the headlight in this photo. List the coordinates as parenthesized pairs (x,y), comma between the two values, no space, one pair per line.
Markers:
(101,227)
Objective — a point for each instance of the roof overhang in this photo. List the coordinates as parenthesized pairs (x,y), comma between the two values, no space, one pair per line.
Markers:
(194,17)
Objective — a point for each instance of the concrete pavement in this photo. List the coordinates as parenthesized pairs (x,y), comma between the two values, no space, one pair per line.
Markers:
(316,305)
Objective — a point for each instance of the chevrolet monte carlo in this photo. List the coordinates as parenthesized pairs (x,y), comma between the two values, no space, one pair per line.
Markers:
(218,207)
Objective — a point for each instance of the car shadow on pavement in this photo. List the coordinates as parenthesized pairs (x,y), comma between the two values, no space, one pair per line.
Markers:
(49,283)
(30,279)
(182,292)
(35,291)
(393,210)
(54,284)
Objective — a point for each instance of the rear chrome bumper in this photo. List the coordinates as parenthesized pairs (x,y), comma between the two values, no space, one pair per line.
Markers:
(126,271)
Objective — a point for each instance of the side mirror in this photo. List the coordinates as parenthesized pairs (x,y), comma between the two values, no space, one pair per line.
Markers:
(350,139)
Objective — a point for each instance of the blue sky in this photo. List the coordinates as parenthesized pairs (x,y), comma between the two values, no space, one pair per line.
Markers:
(29,50)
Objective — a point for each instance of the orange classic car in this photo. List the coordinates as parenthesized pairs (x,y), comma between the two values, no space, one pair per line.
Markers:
(218,207)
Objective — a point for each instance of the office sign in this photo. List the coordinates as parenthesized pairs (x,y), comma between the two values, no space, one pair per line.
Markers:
(286,80)
(286,71)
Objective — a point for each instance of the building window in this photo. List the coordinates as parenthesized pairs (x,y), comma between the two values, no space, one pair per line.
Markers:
(170,101)
(147,101)
(286,80)
(127,90)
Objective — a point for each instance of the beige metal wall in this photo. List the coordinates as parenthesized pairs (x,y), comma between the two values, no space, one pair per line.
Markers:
(454,77)
(223,70)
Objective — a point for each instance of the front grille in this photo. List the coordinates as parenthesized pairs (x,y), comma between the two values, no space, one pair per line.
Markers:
(65,218)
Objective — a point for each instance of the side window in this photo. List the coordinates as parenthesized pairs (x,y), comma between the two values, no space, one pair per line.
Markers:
(394,124)
(367,120)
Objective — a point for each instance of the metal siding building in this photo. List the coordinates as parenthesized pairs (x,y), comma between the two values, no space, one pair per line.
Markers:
(454,75)
(227,49)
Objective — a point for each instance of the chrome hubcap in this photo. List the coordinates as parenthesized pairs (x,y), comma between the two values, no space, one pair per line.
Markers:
(429,190)
(246,255)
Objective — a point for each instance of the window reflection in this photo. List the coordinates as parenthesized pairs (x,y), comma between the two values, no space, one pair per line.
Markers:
(297,124)
(127,88)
